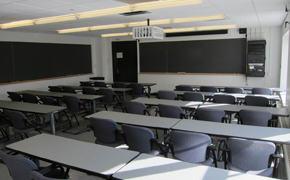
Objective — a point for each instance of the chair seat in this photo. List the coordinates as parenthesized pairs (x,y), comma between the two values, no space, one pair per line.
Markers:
(77,112)
(264,172)
(111,103)
(27,129)
(207,162)
(55,173)
(112,144)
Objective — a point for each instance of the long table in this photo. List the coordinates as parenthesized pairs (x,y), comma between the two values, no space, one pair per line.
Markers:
(146,167)
(86,157)
(33,108)
(59,95)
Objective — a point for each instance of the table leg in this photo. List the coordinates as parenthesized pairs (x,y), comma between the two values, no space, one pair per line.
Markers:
(94,106)
(149,91)
(124,96)
(52,123)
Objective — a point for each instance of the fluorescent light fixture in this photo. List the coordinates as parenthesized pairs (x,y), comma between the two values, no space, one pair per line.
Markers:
(104,12)
(17,24)
(198,18)
(73,30)
(55,19)
(152,23)
(178,30)
(164,4)
(216,27)
(117,34)
(111,26)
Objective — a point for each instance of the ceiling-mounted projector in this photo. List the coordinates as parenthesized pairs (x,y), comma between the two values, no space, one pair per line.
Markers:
(148,32)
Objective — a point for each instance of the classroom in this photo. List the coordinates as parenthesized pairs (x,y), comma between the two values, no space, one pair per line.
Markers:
(92,49)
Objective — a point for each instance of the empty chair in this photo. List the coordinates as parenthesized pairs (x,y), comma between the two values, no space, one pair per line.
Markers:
(138,90)
(20,123)
(213,115)
(86,83)
(191,147)
(30,98)
(135,108)
(4,123)
(255,118)
(256,101)
(100,84)
(110,97)
(37,176)
(208,89)
(119,85)
(221,98)
(20,167)
(265,91)
(49,101)
(183,88)
(141,139)
(248,156)
(234,90)
(14,96)
(193,96)
(54,89)
(68,89)
(106,132)
(88,90)
(171,111)
(170,95)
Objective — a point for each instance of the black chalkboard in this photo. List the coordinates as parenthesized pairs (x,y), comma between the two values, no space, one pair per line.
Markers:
(45,60)
(6,62)
(226,56)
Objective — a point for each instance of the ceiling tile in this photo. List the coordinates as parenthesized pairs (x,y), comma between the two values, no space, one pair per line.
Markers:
(44,3)
(18,8)
(71,9)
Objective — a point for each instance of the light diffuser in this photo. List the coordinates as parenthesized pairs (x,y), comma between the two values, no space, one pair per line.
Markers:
(216,27)
(117,34)
(104,12)
(63,31)
(17,24)
(198,18)
(111,26)
(55,19)
(164,4)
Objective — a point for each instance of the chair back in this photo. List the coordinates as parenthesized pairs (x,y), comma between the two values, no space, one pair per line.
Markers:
(254,117)
(14,96)
(73,104)
(249,154)
(100,84)
(137,89)
(256,101)
(68,89)
(189,146)
(138,138)
(109,95)
(134,107)
(88,90)
(37,176)
(214,115)
(19,167)
(104,129)
(17,119)
(170,95)
(227,99)
(49,101)
(30,98)
(265,91)
(85,83)
(170,111)
(234,90)
(208,89)
(55,89)
(119,85)
(193,96)
(183,88)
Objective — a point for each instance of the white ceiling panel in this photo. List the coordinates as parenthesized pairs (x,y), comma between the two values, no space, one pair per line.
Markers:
(71,9)
(46,13)
(76,1)
(18,8)
(11,1)
(101,4)
(43,3)
(242,8)
(220,3)
(271,18)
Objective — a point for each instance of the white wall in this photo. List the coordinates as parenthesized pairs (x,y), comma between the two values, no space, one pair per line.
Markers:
(272,36)
(47,38)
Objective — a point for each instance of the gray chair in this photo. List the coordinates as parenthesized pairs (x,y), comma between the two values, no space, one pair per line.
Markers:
(256,101)
(20,167)
(29,98)
(265,91)
(14,96)
(138,90)
(4,124)
(20,123)
(170,95)
(141,139)
(183,88)
(222,98)
(54,89)
(86,83)
(110,97)
(234,90)
(193,96)
(100,84)
(106,132)
(90,91)
(135,108)
(38,176)
(208,89)
(68,89)
(119,85)
(213,115)
(192,147)
(255,118)
(248,156)
(171,111)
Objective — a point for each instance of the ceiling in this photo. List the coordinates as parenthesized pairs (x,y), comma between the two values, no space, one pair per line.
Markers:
(243,13)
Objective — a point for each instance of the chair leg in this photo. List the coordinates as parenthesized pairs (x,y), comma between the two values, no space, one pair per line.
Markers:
(26,135)
(77,120)
(21,136)
(106,107)
(69,120)
(5,134)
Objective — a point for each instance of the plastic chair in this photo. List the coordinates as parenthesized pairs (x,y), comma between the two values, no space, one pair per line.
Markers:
(38,176)
(4,123)
(119,85)
(86,84)
(171,111)
(54,89)
(20,167)
(138,90)
(192,147)
(234,90)
(183,88)
(193,96)
(14,96)
(30,98)
(135,108)
(256,101)
(106,132)
(100,84)
(255,118)
(90,91)
(67,89)
(265,91)
(110,97)
(213,115)
(221,98)
(208,89)
(170,95)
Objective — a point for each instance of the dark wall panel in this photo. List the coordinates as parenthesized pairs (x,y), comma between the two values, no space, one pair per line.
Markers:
(6,62)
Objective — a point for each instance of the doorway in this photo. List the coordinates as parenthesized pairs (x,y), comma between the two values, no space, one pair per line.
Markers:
(124,55)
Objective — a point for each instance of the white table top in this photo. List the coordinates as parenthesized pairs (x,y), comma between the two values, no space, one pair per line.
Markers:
(156,168)
(97,88)
(155,102)
(83,156)
(242,96)
(138,120)
(276,135)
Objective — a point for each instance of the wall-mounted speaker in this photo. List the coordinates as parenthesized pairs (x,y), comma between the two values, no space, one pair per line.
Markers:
(243,30)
